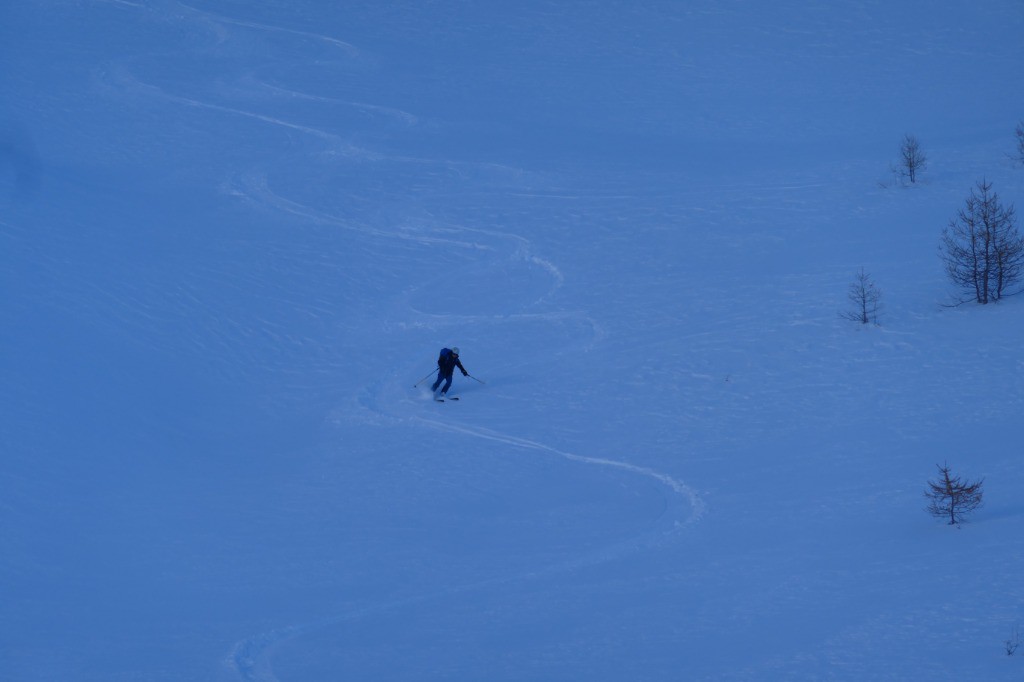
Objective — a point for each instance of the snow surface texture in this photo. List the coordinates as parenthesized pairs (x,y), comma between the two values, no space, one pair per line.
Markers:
(235,234)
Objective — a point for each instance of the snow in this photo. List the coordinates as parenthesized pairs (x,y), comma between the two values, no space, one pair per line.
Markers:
(235,234)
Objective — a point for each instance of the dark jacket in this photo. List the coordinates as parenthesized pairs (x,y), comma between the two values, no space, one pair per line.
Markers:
(447,362)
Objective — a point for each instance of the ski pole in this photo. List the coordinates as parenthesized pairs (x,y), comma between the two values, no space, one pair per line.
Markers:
(475,379)
(423,379)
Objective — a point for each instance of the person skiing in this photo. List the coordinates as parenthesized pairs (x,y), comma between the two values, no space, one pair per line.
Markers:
(447,361)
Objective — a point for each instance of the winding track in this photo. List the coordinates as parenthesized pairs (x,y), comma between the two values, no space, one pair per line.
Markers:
(251,658)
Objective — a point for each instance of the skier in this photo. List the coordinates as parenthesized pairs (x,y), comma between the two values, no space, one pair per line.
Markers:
(447,361)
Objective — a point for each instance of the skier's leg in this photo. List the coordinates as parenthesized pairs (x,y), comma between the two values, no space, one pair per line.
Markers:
(437,383)
(447,384)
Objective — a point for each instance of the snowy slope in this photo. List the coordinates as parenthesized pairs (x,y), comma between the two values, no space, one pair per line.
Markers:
(235,234)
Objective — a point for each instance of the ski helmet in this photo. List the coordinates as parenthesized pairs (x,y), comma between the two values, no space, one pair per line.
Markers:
(455,349)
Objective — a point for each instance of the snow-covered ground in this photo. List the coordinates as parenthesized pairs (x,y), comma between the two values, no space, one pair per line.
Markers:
(234,234)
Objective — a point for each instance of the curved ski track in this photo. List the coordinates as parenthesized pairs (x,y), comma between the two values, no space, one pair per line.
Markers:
(251,658)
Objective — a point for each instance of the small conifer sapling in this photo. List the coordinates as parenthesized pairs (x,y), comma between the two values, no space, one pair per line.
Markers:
(951,496)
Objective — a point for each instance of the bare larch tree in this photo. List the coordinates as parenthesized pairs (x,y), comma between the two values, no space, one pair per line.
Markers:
(951,496)
(912,158)
(982,248)
(866,299)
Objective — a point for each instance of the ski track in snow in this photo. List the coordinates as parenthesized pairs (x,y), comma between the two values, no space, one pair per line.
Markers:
(251,658)
(390,113)
(696,503)
(122,77)
(220,19)
(256,190)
